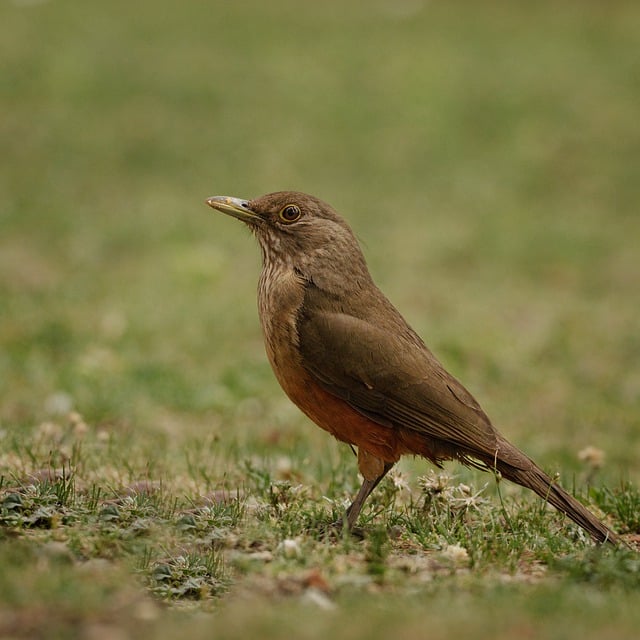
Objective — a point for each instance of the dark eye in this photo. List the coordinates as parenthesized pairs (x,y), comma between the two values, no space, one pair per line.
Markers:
(290,213)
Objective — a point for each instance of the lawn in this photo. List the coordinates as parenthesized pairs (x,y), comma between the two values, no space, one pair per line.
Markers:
(154,479)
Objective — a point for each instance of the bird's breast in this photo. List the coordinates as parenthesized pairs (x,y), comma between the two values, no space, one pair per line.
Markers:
(280,298)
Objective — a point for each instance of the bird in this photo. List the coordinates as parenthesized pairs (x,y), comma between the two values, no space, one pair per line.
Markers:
(349,360)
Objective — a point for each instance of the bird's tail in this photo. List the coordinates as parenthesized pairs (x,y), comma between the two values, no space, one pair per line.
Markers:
(537,480)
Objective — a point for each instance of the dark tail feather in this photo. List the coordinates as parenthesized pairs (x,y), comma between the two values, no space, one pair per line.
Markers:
(538,481)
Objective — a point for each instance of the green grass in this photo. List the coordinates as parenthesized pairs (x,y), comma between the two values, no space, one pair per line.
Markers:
(153,478)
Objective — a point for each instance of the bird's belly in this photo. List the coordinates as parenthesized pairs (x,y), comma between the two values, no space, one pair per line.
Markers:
(336,416)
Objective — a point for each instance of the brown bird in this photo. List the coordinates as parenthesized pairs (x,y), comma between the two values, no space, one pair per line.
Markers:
(344,354)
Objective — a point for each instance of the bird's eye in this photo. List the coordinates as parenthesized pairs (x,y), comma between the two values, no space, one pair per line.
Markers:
(290,213)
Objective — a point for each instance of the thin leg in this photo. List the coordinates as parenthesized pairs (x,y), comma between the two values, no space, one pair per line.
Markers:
(365,490)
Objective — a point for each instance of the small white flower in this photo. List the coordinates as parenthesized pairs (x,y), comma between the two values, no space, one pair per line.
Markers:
(456,554)
(467,499)
(49,431)
(400,482)
(592,456)
(290,548)
(436,483)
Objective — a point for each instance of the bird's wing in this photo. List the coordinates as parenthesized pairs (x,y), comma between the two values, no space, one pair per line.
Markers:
(389,375)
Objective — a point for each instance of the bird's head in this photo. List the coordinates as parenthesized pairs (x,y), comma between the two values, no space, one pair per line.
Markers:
(295,228)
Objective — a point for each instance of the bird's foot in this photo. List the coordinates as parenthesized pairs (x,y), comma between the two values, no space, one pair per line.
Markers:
(339,529)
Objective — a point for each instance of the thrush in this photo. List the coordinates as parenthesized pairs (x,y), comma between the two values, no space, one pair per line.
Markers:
(348,359)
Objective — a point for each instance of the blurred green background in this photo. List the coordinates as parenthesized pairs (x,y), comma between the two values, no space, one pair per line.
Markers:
(486,154)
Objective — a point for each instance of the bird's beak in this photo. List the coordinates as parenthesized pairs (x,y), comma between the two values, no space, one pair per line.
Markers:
(234,207)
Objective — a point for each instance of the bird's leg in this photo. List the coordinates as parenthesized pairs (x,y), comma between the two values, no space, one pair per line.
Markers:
(352,513)
(373,470)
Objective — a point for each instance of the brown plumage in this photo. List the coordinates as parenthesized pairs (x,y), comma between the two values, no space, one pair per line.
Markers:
(344,354)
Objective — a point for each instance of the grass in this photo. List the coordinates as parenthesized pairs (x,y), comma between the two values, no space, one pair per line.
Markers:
(153,478)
